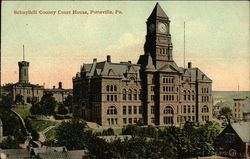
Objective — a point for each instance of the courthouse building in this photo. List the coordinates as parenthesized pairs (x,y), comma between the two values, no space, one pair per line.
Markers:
(155,90)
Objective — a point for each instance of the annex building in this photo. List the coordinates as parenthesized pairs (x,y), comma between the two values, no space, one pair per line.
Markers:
(155,91)
(32,92)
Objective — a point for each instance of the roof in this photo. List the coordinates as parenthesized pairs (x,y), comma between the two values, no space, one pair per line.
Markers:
(58,90)
(121,137)
(18,84)
(77,154)
(247,106)
(243,130)
(158,12)
(221,104)
(16,153)
(108,68)
(195,73)
(46,149)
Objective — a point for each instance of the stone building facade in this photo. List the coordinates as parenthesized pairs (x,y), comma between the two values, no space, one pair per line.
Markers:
(241,109)
(60,94)
(23,87)
(32,92)
(155,90)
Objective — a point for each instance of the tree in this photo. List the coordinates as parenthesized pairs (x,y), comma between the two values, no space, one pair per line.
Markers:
(62,109)
(6,101)
(36,109)
(72,135)
(11,124)
(108,132)
(69,102)
(48,104)
(9,143)
(226,113)
(19,99)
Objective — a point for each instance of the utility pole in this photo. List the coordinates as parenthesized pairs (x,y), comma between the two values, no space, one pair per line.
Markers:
(23,54)
(184,46)
(1,53)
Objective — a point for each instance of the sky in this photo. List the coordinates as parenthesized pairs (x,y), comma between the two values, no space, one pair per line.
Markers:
(217,38)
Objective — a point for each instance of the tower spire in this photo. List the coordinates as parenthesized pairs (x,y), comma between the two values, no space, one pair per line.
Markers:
(23,54)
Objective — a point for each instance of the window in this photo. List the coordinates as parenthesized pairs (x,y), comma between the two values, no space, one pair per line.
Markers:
(111,88)
(152,120)
(204,109)
(112,110)
(135,94)
(115,88)
(140,110)
(129,109)
(124,110)
(192,108)
(168,110)
(189,108)
(152,88)
(185,97)
(193,118)
(152,97)
(129,94)
(124,94)
(152,109)
(130,120)
(124,120)
(107,88)
(135,109)
(168,120)
(184,109)
(135,120)
(107,97)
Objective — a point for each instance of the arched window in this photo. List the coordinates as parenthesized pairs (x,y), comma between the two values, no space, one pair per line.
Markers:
(168,110)
(135,94)
(107,88)
(124,96)
(129,94)
(111,88)
(112,110)
(185,96)
(115,88)
(204,109)
(188,95)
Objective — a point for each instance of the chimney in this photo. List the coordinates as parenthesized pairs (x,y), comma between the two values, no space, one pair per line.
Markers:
(189,64)
(95,59)
(108,58)
(60,85)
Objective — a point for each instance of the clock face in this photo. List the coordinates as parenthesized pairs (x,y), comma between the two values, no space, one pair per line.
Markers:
(152,28)
(162,27)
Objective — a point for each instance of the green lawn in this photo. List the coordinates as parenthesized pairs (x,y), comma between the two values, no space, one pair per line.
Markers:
(50,135)
(40,125)
(23,110)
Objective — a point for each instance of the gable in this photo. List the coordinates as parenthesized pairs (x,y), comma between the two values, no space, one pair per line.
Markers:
(168,68)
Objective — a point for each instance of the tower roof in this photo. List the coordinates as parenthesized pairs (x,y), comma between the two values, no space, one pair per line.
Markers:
(158,12)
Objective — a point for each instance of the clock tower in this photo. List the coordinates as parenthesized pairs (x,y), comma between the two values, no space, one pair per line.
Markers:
(158,39)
